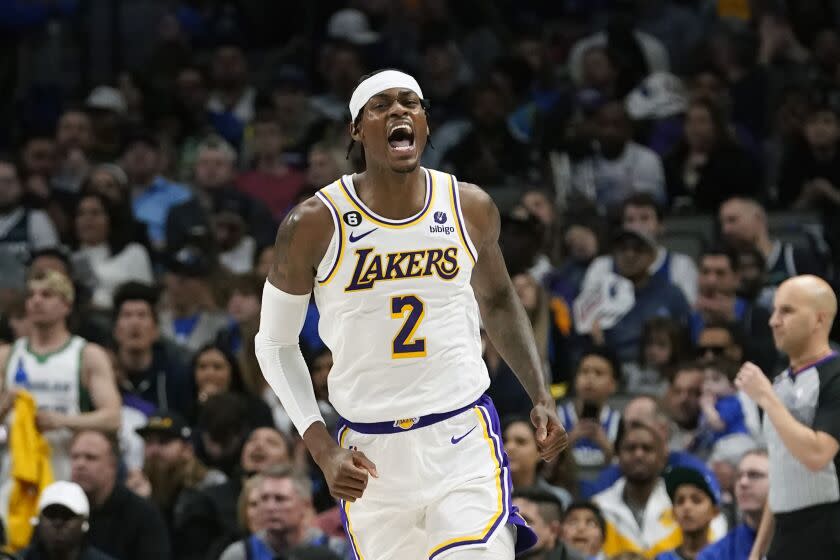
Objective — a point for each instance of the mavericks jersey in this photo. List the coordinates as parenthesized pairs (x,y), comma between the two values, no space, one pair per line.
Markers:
(54,381)
(397,308)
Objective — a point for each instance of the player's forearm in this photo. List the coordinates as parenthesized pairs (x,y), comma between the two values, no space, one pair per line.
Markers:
(509,330)
(801,441)
(107,419)
(318,441)
(764,534)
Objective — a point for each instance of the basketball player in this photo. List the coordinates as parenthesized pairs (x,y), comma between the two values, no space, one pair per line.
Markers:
(801,426)
(401,259)
(70,379)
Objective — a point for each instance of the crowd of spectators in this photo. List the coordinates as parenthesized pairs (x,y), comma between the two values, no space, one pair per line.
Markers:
(661,167)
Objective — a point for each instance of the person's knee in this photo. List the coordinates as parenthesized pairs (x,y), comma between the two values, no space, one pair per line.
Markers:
(502,548)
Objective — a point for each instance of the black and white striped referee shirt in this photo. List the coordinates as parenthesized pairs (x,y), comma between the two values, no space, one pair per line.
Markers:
(812,395)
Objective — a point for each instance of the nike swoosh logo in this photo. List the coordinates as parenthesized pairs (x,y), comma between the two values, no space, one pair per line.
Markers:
(353,237)
(456,440)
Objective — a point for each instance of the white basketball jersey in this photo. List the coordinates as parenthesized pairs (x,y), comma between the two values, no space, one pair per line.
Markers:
(54,382)
(397,308)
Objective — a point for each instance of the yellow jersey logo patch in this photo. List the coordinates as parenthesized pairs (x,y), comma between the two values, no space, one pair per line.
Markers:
(406,423)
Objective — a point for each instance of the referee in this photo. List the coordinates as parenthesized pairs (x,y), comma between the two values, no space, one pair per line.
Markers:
(801,427)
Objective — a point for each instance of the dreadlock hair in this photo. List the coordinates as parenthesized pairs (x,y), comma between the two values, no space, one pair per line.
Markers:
(423,103)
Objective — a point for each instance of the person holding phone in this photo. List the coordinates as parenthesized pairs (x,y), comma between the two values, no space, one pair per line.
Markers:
(592,424)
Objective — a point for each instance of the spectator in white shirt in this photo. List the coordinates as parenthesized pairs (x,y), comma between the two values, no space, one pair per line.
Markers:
(104,257)
(617,167)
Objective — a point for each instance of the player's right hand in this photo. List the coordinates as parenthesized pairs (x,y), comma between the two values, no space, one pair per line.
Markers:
(347,473)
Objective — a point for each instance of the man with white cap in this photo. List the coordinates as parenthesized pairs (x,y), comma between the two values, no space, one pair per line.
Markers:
(401,260)
(61,526)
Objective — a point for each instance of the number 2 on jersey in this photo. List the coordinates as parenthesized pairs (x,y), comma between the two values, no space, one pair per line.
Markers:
(412,309)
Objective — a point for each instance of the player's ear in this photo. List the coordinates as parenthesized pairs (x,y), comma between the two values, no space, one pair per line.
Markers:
(355,133)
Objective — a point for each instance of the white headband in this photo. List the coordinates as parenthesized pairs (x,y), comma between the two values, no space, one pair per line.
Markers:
(378,83)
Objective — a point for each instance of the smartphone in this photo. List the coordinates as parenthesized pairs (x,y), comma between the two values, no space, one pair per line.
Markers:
(590,411)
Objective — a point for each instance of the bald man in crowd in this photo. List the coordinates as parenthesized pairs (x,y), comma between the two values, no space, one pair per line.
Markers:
(743,224)
(801,426)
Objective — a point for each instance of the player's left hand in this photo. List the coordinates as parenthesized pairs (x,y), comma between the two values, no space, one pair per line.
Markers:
(47,420)
(752,381)
(551,435)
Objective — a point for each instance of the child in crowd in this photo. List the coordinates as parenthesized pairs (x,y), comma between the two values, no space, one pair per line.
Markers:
(695,500)
(591,423)
(722,413)
(584,529)
(665,343)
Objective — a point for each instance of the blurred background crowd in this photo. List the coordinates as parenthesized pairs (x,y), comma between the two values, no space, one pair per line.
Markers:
(661,167)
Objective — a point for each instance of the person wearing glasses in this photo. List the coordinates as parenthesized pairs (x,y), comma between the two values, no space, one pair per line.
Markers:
(751,488)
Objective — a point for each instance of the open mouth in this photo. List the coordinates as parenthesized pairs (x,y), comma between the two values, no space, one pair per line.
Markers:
(401,138)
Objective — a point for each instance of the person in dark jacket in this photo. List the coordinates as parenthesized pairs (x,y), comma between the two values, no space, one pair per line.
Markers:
(218,202)
(122,524)
(708,166)
(62,526)
(152,378)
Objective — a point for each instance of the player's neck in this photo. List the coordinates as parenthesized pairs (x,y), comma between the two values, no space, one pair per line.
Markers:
(391,195)
(49,338)
(811,353)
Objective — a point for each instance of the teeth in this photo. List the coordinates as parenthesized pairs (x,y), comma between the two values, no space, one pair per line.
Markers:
(399,126)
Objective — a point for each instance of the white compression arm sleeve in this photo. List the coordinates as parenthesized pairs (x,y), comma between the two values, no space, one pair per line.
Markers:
(278,352)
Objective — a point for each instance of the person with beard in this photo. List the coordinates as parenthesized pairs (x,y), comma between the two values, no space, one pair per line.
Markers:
(618,167)
(214,512)
(637,506)
(285,503)
(121,523)
(646,409)
(22,229)
(62,526)
(171,474)
(751,278)
(682,403)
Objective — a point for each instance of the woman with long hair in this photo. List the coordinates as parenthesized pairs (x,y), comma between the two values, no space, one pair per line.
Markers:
(708,166)
(105,255)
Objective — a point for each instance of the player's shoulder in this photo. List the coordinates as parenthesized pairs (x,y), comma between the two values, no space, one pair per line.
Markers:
(310,220)
(478,207)
(472,195)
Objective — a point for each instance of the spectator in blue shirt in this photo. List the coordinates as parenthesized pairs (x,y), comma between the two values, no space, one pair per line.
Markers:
(751,489)
(722,414)
(696,499)
(153,196)
(633,253)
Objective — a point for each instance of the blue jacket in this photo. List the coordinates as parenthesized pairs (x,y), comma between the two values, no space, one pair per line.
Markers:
(736,545)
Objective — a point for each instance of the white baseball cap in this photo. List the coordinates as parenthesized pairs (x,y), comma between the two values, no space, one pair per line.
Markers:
(351,25)
(108,99)
(67,494)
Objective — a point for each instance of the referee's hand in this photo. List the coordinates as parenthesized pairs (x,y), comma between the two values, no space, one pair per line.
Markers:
(752,381)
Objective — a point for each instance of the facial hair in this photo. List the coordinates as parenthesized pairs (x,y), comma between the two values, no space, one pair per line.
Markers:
(166,481)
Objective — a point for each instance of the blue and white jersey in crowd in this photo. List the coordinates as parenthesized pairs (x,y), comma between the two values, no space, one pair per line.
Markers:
(586,452)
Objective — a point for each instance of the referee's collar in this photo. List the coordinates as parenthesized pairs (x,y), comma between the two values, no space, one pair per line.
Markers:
(830,356)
